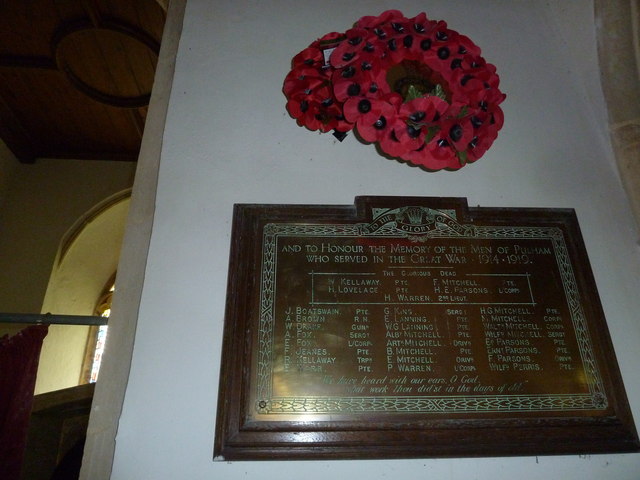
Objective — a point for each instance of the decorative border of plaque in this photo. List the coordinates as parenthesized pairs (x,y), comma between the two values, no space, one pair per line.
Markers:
(408,327)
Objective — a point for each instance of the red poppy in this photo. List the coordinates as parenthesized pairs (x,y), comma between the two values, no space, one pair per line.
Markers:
(424,111)
(425,157)
(310,57)
(441,152)
(349,50)
(392,145)
(373,22)
(300,81)
(328,40)
(373,118)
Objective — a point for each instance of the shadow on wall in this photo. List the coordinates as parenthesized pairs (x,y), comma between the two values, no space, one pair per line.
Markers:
(618,33)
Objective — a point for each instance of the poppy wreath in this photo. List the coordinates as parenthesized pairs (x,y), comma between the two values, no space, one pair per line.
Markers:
(420,91)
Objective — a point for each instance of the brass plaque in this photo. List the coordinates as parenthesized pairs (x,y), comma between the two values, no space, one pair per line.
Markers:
(414,327)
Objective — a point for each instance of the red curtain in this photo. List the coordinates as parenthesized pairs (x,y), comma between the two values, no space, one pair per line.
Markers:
(19,357)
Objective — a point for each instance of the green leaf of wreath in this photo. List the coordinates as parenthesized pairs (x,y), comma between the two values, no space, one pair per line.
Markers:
(462,157)
(413,93)
(438,91)
(431,132)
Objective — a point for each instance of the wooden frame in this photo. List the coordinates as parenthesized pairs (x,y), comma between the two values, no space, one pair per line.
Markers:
(514,358)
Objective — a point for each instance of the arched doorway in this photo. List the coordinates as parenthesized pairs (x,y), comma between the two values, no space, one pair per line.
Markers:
(86,262)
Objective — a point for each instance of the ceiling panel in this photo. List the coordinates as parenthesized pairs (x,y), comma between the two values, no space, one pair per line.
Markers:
(76,76)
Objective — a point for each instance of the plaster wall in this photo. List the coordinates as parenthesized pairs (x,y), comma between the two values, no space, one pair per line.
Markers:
(618,26)
(228,139)
(42,202)
(80,275)
(8,164)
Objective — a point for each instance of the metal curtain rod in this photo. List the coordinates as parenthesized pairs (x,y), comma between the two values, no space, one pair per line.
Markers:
(50,319)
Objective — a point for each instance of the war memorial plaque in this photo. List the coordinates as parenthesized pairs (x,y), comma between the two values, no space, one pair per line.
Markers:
(407,327)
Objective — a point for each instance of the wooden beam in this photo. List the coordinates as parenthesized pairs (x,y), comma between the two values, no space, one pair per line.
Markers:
(27,61)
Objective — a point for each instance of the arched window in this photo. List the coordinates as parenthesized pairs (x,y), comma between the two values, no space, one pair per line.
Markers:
(104,310)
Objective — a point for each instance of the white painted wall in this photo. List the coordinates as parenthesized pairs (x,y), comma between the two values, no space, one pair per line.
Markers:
(229,139)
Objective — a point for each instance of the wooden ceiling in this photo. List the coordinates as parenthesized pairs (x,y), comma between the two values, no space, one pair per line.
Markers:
(76,76)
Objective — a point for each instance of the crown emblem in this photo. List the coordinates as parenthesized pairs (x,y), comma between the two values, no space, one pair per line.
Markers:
(414,220)
(415,215)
